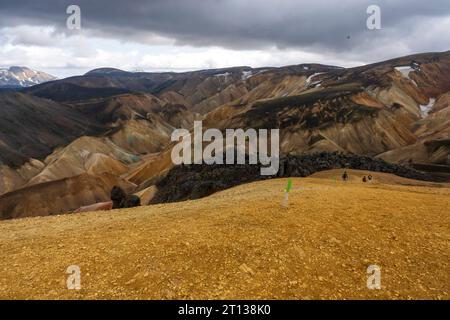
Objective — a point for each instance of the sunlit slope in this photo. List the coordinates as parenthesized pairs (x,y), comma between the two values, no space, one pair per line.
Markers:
(240,244)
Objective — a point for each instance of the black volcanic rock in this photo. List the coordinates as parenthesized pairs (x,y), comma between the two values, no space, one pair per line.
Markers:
(196,181)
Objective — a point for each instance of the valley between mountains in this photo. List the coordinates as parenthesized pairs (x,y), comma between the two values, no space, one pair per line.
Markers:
(65,143)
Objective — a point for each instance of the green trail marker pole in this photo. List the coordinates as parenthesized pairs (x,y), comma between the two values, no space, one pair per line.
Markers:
(285,201)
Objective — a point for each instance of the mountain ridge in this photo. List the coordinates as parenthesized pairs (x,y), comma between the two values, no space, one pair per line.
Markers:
(395,110)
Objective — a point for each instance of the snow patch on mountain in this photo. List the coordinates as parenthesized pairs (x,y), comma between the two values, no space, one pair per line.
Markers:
(425,109)
(309,81)
(406,70)
(22,77)
(246,75)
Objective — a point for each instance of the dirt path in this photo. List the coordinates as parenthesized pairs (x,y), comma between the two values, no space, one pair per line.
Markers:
(240,244)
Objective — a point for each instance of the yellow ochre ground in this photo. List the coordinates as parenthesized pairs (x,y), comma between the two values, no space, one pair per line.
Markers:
(241,244)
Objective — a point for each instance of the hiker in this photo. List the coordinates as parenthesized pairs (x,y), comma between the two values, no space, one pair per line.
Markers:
(364,179)
(121,200)
(345,176)
(369,178)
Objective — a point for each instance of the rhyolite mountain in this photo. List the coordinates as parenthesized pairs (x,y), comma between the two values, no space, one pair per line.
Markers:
(18,77)
(110,126)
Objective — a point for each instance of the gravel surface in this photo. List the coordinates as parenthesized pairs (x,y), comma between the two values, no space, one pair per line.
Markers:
(241,244)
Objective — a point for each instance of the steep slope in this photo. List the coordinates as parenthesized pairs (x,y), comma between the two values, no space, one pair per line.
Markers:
(136,106)
(32,127)
(133,127)
(365,110)
(433,137)
(60,196)
(82,156)
(13,178)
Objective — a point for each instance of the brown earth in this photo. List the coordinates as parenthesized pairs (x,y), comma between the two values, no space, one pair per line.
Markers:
(240,244)
(60,196)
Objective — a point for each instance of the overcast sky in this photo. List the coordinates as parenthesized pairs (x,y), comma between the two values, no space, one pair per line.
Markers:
(183,35)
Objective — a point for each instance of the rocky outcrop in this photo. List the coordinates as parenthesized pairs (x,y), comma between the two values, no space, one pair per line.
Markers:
(60,196)
(197,181)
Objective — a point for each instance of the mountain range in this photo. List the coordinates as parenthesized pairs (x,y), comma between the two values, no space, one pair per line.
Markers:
(65,143)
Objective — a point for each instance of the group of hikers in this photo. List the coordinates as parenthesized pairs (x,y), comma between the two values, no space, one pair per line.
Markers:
(365,179)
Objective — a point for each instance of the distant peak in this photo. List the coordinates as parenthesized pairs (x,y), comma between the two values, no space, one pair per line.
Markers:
(18,69)
(18,76)
(105,71)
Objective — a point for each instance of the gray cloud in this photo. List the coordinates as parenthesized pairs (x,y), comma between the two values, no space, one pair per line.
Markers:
(334,27)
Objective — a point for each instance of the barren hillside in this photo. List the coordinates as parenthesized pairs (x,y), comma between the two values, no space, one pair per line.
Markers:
(395,110)
(240,244)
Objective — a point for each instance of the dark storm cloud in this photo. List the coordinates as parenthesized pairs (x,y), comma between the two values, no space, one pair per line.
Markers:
(239,24)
